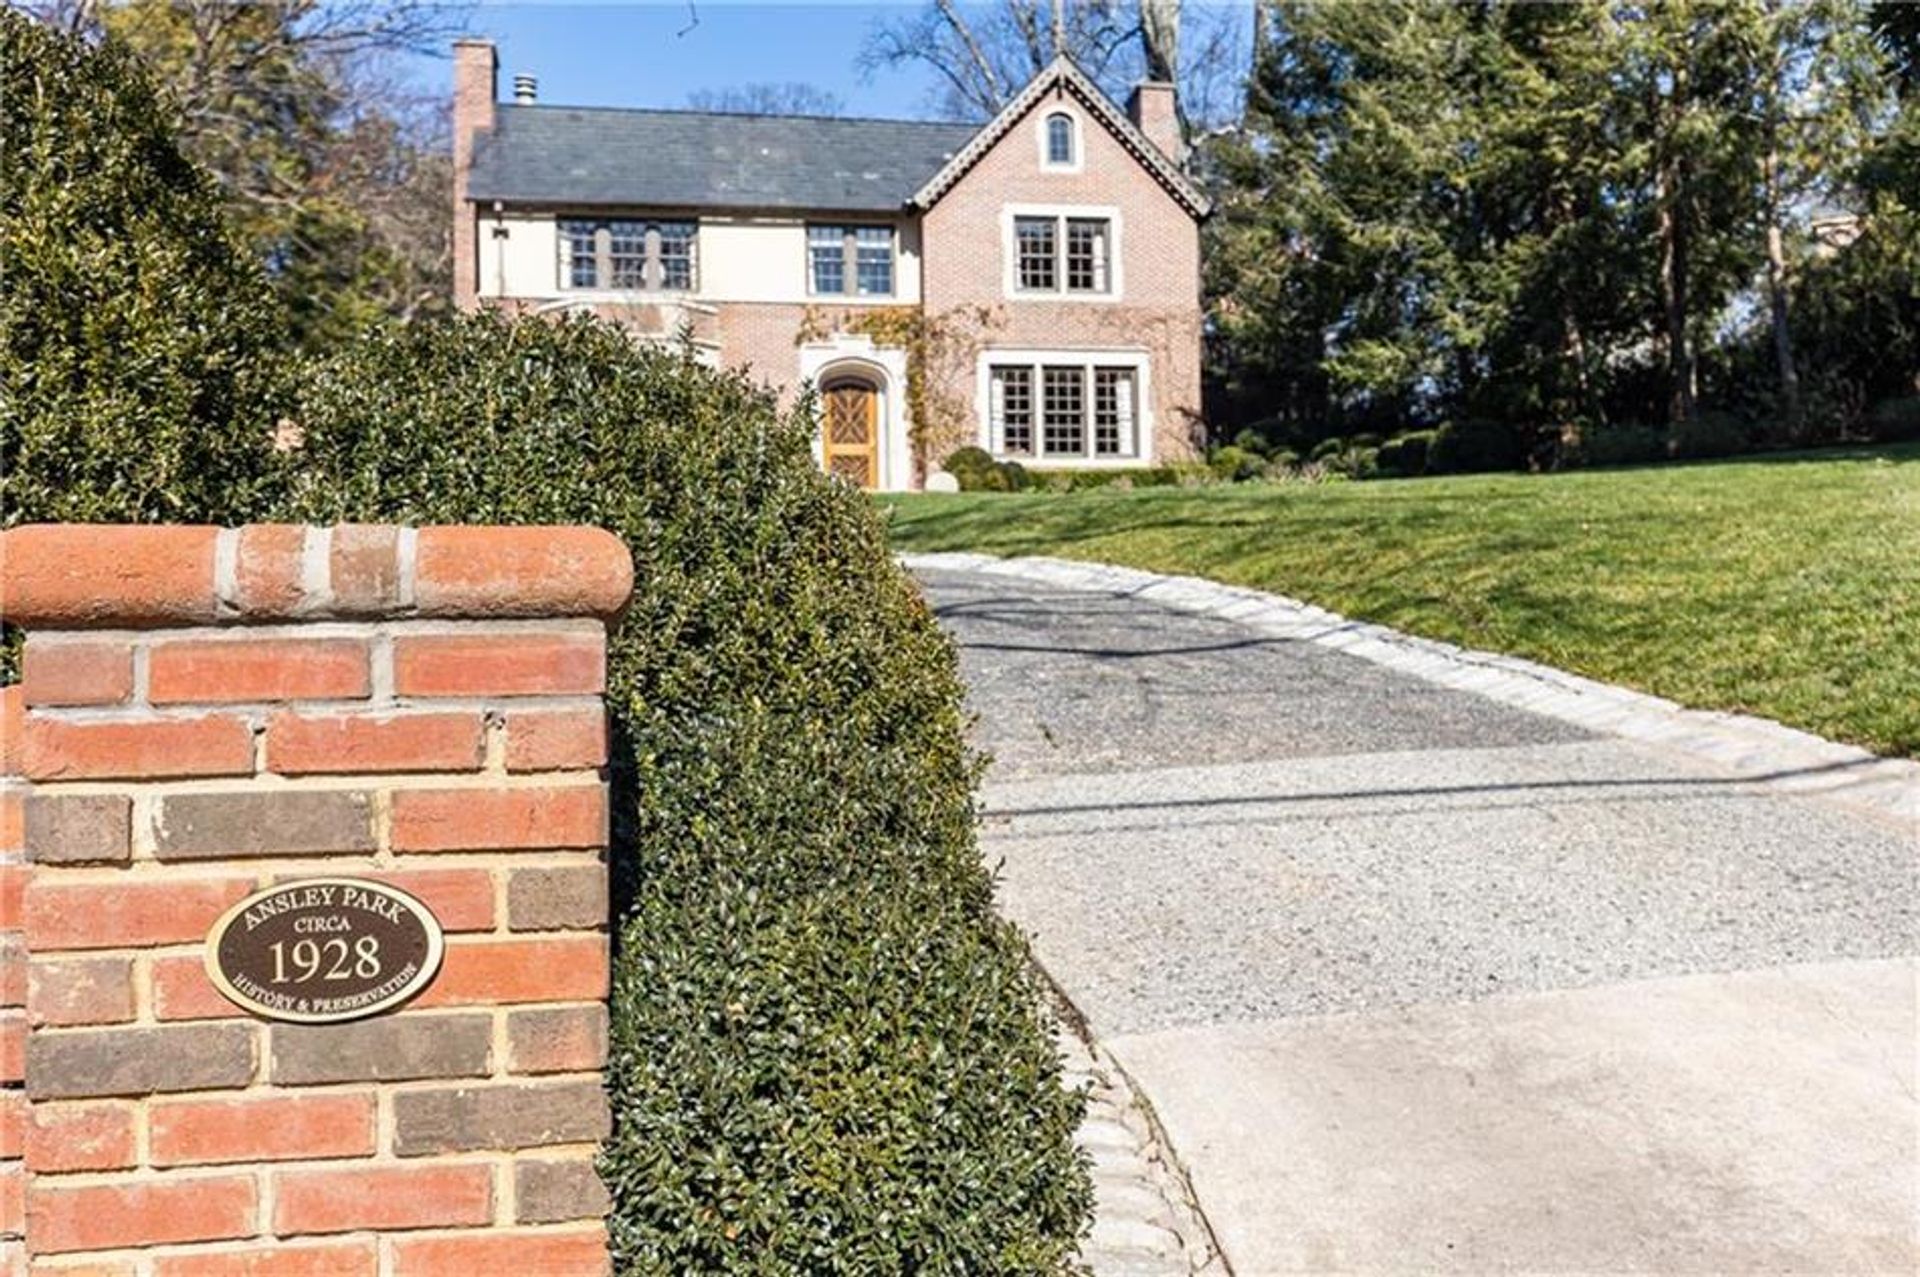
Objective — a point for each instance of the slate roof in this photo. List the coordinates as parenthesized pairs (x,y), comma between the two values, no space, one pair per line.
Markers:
(702,159)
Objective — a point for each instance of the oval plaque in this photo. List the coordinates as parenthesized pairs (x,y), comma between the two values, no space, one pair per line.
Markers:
(324,949)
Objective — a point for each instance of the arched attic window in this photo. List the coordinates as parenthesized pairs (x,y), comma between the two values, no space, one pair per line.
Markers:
(1060,140)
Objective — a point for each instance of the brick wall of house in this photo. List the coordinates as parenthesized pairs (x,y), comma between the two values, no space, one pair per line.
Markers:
(1159,310)
(209,712)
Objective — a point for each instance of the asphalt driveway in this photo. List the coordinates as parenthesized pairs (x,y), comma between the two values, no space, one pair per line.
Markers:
(1416,980)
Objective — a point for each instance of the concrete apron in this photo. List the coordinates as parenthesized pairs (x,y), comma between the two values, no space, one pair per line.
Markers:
(1758,1121)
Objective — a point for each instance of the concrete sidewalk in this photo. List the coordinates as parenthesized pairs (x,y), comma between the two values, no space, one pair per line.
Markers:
(1418,979)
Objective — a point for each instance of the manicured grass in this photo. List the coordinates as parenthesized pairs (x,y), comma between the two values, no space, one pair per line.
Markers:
(1786,586)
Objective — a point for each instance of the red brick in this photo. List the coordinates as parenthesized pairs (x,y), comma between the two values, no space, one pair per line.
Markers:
(13,1046)
(499,819)
(524,572)
(13,970)
(215,670)
(475,973)
(67,991)
(267,570)
(274,1259)
(104,1216)
(352,1198)
(462,899)
(12,724)
(13,1123)
(81,1137)
(556,739)
(92,673)
(13,888)
(576,1252)
(63,576)
(13,1199)
(125,914)
(211,745)
(499,664)
(278,1128)
(364,569)
(13,821)
(308,744)
(182,991)
(13,727)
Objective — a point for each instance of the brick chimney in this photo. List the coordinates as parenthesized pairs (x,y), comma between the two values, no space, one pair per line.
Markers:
(1153,111)
(476,74)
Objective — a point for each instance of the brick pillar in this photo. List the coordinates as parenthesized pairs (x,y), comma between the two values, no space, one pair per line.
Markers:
(13,987)
(211,712)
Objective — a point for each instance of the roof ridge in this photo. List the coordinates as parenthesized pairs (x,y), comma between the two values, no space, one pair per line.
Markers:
(741,115)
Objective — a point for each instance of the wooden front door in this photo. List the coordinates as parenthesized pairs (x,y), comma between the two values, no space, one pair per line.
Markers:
(851,431)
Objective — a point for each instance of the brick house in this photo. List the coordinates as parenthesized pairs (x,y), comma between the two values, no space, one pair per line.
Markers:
(1031,285)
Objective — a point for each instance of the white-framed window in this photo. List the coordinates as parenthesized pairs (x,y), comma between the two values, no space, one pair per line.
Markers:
(1063,252)
(850,261)
(1062,151)
(627,254)
(1064,407)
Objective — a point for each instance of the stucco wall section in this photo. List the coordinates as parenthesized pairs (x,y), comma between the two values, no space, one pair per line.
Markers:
(1158,308)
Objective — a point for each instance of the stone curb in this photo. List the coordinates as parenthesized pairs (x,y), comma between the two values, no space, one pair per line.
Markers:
(1146,1221)
(1769,754)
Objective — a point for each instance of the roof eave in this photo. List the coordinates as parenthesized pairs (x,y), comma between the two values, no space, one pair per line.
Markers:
(1062,70)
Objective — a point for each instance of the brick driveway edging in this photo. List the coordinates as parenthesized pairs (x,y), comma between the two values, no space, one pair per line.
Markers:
(1769,754)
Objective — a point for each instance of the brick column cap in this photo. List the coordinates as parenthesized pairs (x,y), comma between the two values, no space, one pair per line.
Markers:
(110,576)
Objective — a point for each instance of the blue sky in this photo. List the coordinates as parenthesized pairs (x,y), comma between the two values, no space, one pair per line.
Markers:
(654,53)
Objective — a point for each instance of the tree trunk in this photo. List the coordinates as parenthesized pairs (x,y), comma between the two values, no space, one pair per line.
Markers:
(1777,299)
(1671,227)
(1160,38)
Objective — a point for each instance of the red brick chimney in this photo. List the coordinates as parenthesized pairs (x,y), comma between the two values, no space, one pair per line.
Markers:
(476,74)
(1153,111)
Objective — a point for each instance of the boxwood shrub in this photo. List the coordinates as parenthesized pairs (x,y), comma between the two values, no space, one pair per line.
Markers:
(828,1052)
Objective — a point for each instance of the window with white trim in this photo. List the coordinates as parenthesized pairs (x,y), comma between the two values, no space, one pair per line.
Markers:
(1063,411)
(627,255)
(860,255)
(1076,251)
(1060,140)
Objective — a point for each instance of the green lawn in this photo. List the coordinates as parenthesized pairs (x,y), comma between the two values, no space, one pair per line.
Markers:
(1786,586)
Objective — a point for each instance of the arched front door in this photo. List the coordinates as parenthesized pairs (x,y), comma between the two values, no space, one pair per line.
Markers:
(850,430)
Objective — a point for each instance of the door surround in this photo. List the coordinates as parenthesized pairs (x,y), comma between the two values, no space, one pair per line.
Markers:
(856,358)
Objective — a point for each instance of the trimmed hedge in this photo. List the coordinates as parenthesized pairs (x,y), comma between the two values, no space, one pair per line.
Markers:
(138,341)
(828,1052)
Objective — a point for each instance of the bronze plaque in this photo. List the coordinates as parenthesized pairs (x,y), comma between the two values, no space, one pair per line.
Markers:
(324,949)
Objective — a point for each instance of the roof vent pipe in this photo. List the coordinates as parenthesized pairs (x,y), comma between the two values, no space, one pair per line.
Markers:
(526,89)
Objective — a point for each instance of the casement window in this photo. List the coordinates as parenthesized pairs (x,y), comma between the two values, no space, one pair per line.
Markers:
(1074,251)
(1063,411)
(627,255)
(858,255)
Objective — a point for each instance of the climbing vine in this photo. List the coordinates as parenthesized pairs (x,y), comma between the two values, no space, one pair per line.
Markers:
(939,349)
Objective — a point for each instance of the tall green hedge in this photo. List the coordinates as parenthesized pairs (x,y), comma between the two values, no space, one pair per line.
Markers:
(139,346)
(828,1052)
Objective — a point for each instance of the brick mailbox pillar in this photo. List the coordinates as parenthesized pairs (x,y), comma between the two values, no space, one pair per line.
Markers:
(209,713)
